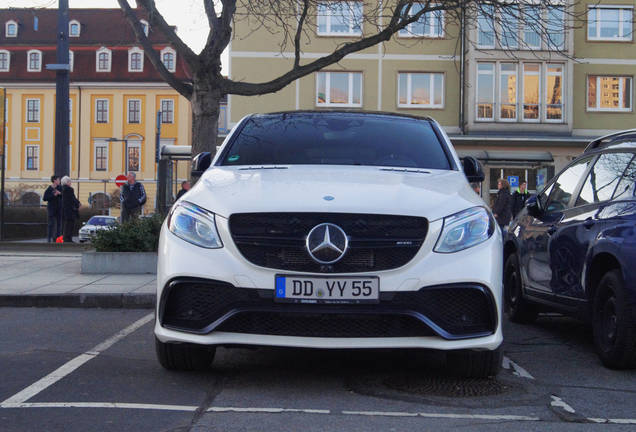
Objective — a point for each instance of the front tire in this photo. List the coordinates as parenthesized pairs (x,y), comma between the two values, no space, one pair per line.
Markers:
(519,311)
(184,356)
(475,364)
(613,323)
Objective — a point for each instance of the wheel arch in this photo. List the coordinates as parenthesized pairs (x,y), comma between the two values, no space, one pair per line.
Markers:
(599,265)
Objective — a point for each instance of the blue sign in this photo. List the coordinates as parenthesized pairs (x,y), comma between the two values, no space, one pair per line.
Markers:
(514,181)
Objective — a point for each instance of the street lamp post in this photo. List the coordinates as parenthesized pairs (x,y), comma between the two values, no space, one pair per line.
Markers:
(125,141)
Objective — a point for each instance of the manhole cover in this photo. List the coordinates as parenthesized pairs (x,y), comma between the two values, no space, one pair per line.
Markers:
(446,386)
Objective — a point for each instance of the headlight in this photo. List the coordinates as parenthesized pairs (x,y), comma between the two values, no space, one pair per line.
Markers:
(465,229)
(194,225)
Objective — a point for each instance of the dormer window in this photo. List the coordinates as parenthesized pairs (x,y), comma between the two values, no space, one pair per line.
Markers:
(102,60)
(11,29)
(74,28)
(135,60)
(146,26)
(169,58)
(34,61)
(5,61)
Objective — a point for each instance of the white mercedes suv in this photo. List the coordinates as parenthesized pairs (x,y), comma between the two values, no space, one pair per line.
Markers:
(332,230)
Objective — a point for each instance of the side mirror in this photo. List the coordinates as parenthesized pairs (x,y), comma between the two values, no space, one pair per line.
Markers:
(534,206)
(200,163)
(473,170)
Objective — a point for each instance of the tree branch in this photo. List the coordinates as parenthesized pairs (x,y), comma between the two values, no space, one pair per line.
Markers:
(183,88)
(299,31)
(213,20)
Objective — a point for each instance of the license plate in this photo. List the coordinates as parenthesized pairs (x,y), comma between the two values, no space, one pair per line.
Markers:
(311,289)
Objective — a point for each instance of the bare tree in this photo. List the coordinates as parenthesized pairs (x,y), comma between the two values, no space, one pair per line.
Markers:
(294,22)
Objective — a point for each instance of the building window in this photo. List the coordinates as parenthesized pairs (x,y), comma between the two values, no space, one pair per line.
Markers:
(134,111)
(34,61)
(101,111)
(145,26)
(5,61)
(609,23)
(167,111)
(420,90)
(33,110)
(486,27)
(340,18)
(342,89)
(103,60)
(609,93)
(71,60)
(135,60)
(555,27)
(430,24)
(70,110)
(134,155)
(11,29)
(33,157)
(74,28)
(519,82)
(509,27)
(101,156)
(167,57)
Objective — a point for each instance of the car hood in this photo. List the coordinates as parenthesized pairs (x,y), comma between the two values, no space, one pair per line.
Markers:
(433,194)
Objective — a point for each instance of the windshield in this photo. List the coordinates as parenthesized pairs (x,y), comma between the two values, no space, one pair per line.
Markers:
(337,138)
(101,221)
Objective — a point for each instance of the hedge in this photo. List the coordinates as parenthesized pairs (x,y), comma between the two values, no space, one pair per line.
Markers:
(137,235)
(23,223)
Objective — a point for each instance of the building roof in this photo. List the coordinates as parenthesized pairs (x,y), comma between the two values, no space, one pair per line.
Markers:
(99,28)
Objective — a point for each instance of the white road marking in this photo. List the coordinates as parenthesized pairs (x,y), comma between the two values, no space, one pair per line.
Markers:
(612,421)
(100,405)
(443,415)
(267,410)
(73,364)
(517,370)
(557,402)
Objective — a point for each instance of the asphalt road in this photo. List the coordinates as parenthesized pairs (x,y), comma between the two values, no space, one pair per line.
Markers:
(95,370)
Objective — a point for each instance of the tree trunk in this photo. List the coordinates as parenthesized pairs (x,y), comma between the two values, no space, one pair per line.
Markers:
(205,118)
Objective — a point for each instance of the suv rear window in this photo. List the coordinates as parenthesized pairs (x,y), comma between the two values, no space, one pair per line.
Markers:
(337,139)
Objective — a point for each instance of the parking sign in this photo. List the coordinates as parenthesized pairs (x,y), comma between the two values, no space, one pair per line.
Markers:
(514,181)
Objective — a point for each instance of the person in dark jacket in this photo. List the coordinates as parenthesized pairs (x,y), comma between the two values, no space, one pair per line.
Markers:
(185,186)
(519,199)
(502,207)
(70,209)
(132,197)
(53,198)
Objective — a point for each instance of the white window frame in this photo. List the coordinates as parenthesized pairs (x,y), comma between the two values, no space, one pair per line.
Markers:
(103,50)
(517,31)
(6,29)
(621,12)
(491,23)
(428,18)
(26,156)
(350,103)
(145,26)
(409,90)
(353,5)
(107,110)
(128,111)
(169,50)
(133,143)
(135,50)
(70,111)
(546,43)
(39,68)
(8,53)
(39,110)
(500,103)
(546,74)
(493,74)
(161,101)
(70,26)
(100,143)
(597,107)
(71,60)
(522,84)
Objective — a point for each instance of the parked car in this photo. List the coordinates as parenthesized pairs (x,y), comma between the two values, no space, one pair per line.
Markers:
(94,224)
(332,230)
(573,248)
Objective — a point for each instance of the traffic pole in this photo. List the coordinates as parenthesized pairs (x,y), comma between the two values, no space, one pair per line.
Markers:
(62,92)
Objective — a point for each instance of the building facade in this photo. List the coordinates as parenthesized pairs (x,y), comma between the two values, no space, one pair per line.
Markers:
(522,100)
(115,95)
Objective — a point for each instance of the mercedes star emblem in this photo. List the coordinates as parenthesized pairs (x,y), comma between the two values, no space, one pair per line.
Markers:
(327,243)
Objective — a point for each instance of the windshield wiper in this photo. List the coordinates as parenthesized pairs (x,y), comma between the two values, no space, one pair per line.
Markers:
(406,170)
(263,167)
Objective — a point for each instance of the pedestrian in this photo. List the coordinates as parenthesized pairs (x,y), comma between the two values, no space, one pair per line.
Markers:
(185,186)
(132,198)
(502,207)
(53,198)
(519,199)
(70,209)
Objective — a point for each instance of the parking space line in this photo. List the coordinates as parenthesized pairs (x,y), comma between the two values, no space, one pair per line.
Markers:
(517,370)
(613,421)
(267,410)
(75,363)
(502,417)
(101,405)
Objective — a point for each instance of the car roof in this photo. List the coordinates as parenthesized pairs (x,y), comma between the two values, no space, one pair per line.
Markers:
(622,139)
(354,112)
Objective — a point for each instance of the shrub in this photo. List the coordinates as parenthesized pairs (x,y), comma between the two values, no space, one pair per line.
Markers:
(31,222)
(137,235)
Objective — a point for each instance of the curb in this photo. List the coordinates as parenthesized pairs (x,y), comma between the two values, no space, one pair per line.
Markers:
(104,301)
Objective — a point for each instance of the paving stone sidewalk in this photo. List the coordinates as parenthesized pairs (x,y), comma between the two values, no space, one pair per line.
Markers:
(54,279)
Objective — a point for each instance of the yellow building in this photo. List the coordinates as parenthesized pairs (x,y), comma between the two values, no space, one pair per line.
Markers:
(115,95)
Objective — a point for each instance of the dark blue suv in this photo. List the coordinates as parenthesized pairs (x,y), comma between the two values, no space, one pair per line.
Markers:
(572,249)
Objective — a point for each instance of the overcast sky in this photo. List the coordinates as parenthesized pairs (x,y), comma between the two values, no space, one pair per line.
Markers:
(187,15)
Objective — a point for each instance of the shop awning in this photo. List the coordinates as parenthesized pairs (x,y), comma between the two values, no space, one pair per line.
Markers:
(508,156)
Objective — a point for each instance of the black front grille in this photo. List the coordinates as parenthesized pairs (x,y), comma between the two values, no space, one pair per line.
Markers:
(376,242)
(453,311)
